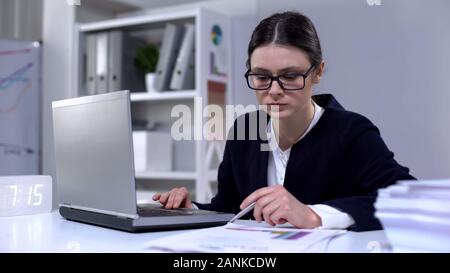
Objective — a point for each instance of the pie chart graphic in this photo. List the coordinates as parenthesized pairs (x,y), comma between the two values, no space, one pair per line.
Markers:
(216,35)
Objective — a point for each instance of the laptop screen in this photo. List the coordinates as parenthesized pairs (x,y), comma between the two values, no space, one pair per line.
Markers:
(94,153)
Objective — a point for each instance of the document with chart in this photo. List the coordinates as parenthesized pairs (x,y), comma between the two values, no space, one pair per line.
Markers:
(239,238)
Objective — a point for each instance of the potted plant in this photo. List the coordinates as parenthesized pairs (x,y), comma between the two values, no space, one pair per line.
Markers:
(146,59)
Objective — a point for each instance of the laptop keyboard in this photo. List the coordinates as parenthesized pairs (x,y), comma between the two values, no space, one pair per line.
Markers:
(156,210)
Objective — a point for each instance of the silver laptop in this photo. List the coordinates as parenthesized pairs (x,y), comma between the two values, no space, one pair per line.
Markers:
(95,168)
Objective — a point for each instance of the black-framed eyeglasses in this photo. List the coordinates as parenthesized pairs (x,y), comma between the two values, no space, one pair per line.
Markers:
(289,81)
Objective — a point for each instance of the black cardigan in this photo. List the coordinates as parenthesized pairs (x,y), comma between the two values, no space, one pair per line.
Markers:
(341,162)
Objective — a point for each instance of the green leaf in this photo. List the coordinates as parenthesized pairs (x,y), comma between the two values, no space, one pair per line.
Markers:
(146,58)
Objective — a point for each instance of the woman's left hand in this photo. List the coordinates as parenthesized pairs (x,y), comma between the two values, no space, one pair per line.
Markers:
(275,205)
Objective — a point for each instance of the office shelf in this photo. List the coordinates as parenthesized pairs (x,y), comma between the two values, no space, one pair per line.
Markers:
(165,95)
(212,175)
(212,85)
(175,175)
(139,21)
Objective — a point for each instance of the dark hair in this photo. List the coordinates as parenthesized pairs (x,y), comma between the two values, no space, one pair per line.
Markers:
(287,28)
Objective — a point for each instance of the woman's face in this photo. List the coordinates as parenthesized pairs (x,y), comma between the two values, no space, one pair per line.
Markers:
(274,59)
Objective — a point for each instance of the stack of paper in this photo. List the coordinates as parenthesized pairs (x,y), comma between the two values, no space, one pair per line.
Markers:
(239,238)
(416,215)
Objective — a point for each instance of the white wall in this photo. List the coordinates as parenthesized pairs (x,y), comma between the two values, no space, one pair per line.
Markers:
(390,63)
(242,29)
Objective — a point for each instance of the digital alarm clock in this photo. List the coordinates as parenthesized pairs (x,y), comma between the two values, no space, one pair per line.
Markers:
(27,194)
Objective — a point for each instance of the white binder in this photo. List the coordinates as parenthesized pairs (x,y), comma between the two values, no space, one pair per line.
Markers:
(122,73)
(115,48)
(91,64)
(168,53)
(183,76)
(102,63)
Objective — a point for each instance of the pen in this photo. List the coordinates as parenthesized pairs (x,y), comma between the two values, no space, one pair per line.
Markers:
(242,212)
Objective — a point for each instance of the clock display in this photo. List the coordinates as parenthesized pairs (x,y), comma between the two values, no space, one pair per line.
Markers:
(21,195)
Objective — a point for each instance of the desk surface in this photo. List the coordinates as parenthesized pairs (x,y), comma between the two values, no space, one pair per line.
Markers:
(50,232)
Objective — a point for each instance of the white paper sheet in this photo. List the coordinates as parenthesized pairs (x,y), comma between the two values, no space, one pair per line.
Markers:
(239,238)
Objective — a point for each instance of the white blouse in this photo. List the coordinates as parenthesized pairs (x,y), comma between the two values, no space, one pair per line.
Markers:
(276,170)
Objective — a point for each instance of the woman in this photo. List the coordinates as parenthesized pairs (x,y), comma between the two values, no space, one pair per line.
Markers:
(328,163)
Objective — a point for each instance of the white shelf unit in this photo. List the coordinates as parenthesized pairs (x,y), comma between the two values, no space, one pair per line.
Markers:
(159,96)
(189,166)
(165,175)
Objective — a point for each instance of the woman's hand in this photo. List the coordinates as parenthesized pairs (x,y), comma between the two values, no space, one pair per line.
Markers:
(275,205)
(174,199)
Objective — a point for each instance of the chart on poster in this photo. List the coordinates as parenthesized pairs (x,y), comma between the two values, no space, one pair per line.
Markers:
(20,98)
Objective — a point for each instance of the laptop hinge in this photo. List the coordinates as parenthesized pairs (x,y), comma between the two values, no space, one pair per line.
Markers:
(113,213)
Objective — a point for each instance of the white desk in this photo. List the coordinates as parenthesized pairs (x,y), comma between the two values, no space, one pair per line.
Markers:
(51,233)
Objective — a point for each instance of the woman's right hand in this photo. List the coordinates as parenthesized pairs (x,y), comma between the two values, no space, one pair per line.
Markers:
(174,199)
